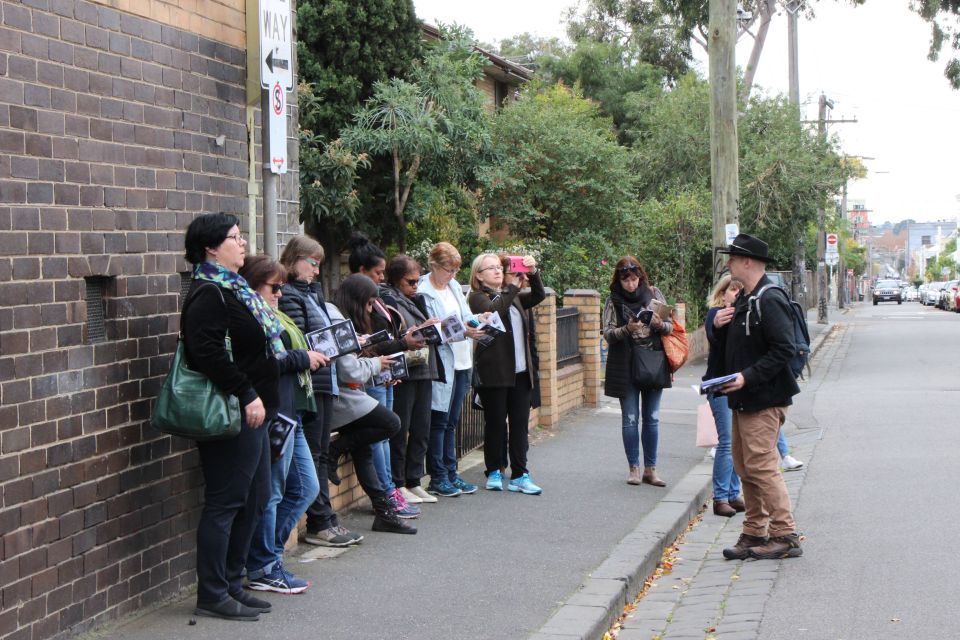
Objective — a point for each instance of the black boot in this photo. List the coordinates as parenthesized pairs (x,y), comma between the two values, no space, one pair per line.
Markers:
(333,464)
(386,520)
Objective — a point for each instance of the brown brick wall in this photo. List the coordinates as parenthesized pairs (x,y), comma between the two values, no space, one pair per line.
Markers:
(108,127)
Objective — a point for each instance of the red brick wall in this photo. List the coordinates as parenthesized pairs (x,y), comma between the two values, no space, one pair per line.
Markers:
(108,127)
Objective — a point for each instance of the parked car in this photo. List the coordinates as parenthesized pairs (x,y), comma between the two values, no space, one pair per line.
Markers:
(932,294)
(910,294)
(948,296)
(887,291)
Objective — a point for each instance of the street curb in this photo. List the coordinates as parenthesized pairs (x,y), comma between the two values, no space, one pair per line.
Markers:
(589,612)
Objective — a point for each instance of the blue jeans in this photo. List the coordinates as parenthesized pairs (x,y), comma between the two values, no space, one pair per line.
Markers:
(294,487)
(442,447)
(649,434)
(381,450)
(782,447)
(726,482)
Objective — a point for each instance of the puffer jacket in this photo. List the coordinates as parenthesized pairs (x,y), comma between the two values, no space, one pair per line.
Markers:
(294,302)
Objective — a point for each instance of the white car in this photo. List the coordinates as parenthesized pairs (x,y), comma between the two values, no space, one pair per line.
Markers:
(931,294)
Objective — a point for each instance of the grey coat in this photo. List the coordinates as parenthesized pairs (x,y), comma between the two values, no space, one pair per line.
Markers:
(353,374)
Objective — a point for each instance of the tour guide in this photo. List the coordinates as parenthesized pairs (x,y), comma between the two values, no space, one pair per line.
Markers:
(757,345)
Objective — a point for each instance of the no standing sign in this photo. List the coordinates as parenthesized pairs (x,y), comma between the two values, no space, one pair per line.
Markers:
(276,74)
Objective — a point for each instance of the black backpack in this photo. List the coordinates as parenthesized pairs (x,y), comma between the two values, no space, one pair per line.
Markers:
(801,336)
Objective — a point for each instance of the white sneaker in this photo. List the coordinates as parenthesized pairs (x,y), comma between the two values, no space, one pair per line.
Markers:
(713,452)
(790,463)
(411,497)
(422,495)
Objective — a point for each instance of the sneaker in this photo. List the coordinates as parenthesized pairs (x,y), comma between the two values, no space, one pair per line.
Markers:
(444,489)
(329,538)
(297,585)
(420,493)
(356,537)
(465,487)
(495,481)
(789,463)
(741,550)
(229,609)
(401,507)
(787,546)
(410,497)
(277,582)
(713,452)
(524,484)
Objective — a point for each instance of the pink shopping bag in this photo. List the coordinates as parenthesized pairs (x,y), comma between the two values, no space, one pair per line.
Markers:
(706,427)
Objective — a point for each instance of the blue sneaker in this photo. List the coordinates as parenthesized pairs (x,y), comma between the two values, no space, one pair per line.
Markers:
(464,486)
(524,484)
(443,488)
(279,580)
(495,481)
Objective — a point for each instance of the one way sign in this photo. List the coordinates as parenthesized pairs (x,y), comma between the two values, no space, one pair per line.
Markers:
(275,44)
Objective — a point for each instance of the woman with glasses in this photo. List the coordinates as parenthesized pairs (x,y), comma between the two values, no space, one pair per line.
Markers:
(444,297)
(293,476)
(230,336)
(630,324)
(413,396)
(503,372)
(303,303)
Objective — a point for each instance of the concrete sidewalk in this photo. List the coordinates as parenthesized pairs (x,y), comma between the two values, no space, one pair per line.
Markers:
(495,564)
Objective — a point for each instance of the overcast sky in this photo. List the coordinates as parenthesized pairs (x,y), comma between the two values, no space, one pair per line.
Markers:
(871,61)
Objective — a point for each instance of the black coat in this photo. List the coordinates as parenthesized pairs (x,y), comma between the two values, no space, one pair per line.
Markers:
(209,313)
(762,357)
(294,303)
(414,312)
(493,365)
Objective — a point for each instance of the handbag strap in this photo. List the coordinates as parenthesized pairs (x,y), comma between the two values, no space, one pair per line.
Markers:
(181,338)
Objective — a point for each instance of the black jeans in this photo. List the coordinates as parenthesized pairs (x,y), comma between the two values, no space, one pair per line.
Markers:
(320,514)
(236,473)
(408,449)
(499,405)
(356,437)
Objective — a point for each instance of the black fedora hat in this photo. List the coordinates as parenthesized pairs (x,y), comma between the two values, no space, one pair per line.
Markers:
(749,247)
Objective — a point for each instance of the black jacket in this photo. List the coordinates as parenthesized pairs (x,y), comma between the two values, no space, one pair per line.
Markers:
(763,355)
(414,312)
(715,353)
(493,365)
(290,364)
(294,303)
(209,313)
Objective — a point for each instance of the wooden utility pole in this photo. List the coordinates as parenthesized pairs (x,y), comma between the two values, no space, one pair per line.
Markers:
(821,224)
(799,266)
(724,155)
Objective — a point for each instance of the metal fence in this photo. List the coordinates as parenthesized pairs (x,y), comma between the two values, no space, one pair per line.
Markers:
(568,336)
(470,430)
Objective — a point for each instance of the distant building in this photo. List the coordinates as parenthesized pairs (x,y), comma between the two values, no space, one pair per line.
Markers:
(925,241)
(858,215)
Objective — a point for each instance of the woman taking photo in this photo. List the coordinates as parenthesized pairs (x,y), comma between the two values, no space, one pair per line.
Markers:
(303,303)
(359,420)
(633,339)
(503,377)
(293,476)
(412,397)
(443,297)
(726,482)
(220,306)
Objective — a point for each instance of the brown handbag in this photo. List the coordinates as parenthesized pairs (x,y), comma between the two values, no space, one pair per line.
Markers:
(675,345)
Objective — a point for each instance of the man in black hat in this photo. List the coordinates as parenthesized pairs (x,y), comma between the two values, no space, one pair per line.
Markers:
(757,340)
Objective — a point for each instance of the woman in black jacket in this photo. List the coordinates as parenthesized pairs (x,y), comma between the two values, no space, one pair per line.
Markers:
(630,294)
(231,337)
(303,303)
(504,375)
(414,395)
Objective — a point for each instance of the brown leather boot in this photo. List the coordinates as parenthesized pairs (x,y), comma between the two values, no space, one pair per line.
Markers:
(741,550)
(650,477)
(634,477)
(787,546)
(723,508)
(738,505)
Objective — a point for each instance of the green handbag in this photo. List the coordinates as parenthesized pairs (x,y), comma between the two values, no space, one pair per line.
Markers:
(191,406)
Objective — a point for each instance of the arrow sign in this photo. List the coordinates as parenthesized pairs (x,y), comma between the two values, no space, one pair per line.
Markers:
(276,38)
(276,63)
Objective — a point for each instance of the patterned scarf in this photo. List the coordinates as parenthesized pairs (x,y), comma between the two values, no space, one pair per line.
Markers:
(213,272)
(297,341)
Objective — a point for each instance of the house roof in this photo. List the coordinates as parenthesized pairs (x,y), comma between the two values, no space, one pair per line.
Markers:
(498,67)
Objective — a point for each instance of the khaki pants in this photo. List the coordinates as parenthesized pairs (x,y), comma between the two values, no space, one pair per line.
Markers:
(757,462)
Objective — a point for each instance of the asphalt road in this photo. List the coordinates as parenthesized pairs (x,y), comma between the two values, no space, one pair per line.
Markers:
(879,505)
(490,565)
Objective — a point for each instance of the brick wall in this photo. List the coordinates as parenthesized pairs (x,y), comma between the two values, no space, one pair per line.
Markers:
(109,122)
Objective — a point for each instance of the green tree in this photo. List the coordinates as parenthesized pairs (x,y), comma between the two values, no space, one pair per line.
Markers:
(434,122)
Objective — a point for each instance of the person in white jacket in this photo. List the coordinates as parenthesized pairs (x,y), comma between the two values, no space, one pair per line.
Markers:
(358,420)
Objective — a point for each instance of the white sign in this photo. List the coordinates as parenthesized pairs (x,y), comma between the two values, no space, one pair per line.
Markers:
(831,243)
(732,232)
(832,259)
(275,44)
(278,128)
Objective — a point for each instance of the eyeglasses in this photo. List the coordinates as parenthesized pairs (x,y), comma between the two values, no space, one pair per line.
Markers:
(237,237)
(493,268)
(412,281)
(310,261)
(451,272)
(631,269)
(275,286)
